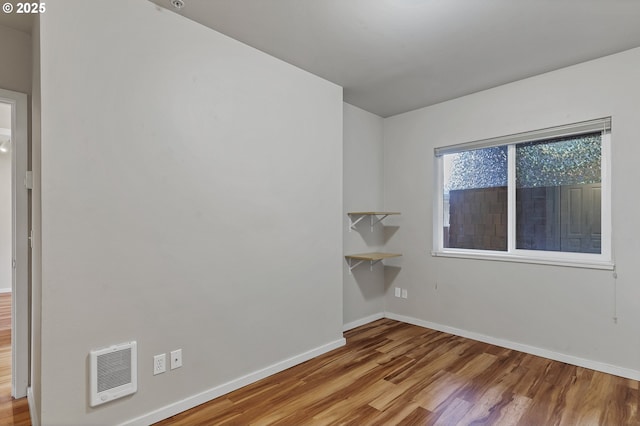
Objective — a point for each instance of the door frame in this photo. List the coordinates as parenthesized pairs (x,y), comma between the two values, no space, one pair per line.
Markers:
(20,242)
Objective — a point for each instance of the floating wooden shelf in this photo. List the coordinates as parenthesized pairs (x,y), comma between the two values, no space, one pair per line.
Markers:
(372,258)
(372,215)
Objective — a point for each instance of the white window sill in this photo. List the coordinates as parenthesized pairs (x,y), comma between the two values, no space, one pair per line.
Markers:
(504,257)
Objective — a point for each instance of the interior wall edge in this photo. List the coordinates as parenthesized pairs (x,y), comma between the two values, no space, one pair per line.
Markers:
(362,321)
(33,413)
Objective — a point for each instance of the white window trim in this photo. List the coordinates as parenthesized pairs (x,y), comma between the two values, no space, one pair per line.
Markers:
(604,260)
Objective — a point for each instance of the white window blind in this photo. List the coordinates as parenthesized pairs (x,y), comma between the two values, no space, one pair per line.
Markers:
(601,124)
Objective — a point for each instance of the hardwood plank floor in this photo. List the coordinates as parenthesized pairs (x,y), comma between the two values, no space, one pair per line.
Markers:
(12,411)
(394,373)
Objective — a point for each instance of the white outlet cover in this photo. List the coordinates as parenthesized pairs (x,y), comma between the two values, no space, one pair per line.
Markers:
(176,359)
(398,291)
(159,364)
(404,293)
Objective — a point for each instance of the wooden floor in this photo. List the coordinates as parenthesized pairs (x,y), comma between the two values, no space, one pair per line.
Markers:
(12,412)
(393,373)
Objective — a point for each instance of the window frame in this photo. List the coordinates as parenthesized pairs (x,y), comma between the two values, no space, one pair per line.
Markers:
(602,260)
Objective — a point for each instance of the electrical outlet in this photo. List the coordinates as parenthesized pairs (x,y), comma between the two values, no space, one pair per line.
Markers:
(176,359)
(398,291)
(159,364)
(404,293)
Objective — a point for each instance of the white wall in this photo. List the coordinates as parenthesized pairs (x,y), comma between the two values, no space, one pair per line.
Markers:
(191,198)
(15,51)
(364,289)
(562,310)
(5,206)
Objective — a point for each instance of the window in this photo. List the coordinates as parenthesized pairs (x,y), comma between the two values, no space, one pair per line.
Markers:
(541,196)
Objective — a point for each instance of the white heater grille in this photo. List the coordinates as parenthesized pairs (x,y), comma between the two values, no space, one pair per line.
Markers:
(113,372)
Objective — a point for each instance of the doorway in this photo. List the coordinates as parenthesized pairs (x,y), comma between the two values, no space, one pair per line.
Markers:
(6,249)
(14,241)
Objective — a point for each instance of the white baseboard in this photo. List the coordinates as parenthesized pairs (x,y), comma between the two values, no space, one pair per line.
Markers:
(545,353)
(362,321)
(195,400)
(5,290)
(35,421)
(192,401)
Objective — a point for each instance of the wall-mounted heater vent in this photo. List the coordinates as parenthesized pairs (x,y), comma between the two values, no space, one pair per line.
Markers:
(114,372)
